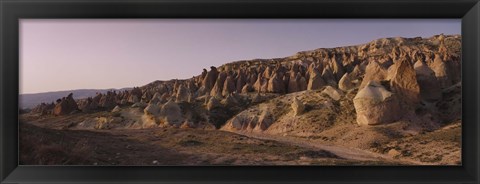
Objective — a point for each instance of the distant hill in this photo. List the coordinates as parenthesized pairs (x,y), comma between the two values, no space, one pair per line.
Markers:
(33,99)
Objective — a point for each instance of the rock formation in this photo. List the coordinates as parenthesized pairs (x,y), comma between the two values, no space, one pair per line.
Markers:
(376,105)
(297,107)
(66,105)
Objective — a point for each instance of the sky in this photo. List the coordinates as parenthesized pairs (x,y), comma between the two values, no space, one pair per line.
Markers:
(66,54)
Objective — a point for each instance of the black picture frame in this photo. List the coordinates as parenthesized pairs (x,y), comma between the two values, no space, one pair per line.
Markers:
(13,10)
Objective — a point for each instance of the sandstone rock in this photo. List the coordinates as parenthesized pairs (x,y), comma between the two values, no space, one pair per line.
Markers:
(182,94)
(337,67)
(141,105)
(394,153)
(375,105)
(373,72)
(429,87)
(261,85)
(117,109)
(88,105)
(328,76)
(276,84)
(345,83)
(152,109)
(133,99)
(171,113)
(156,98)
(297,107)
(213,103)
(332,93)
(403,82)
(264,121)
(303,83)
(65,106)
(293,83)
(230,101)
(247,88)
(108,101)
(441,71)
(316,81)
(218,87)
(228,86)
(241,81)
(210,78)
(44,108)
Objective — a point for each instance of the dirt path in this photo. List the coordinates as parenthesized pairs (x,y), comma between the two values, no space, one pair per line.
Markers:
(344,152)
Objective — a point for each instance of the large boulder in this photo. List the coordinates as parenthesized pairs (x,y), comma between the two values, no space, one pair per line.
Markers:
(65,106)
(171,113)
(375,105)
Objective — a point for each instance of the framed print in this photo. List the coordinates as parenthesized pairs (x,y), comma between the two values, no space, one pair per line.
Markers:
(248,91)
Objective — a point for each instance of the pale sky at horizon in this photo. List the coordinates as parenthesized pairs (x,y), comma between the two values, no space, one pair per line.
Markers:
(66,54)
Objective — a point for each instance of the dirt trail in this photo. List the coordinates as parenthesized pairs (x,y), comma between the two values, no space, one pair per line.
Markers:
(344,152)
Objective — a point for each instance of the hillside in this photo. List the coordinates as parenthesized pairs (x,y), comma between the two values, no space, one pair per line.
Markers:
(30,100)
(394,101)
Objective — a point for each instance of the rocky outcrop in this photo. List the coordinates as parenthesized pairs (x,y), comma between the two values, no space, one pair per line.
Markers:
(171,114)
(210,78)
(228,86)
(276,84)
(182,94)
(316,81)
(66,105)
(213,103)
(345,83)
(429,87)
(441,71)
(297,107)
(375,105)
(219,84)
(373,72)
(333,93)
(403,82)
(43,108)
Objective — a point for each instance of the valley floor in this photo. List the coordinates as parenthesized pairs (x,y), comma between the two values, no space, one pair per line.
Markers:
(55,144)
